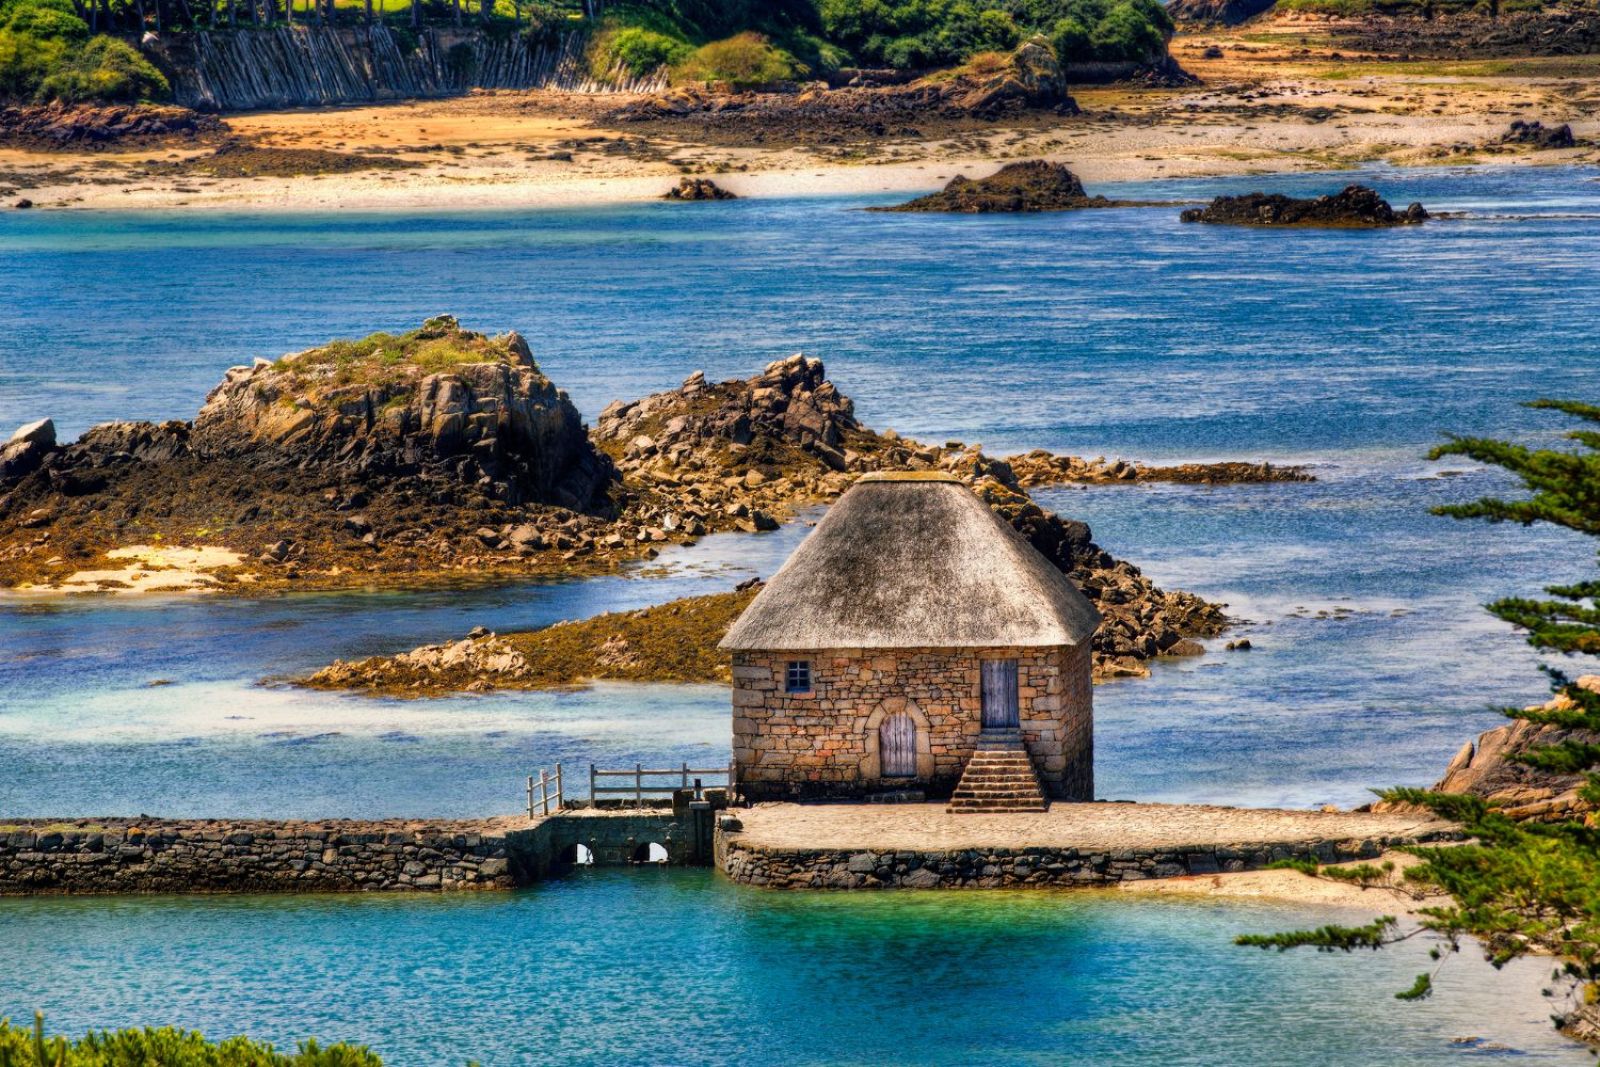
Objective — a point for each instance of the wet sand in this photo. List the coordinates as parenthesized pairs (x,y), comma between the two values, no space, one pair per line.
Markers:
(1267,106)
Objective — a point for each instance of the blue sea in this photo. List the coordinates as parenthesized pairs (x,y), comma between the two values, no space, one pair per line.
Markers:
(1100,333)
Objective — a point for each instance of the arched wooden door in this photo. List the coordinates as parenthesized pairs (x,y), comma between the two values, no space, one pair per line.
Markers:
(897,746)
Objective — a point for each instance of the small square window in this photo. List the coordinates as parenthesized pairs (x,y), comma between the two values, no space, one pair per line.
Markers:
(798,677)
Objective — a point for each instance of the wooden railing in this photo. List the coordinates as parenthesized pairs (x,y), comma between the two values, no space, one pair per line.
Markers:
(686,778)
(542,800)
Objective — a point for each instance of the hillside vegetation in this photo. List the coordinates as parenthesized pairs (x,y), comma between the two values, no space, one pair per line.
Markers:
(745,44)
(48,53)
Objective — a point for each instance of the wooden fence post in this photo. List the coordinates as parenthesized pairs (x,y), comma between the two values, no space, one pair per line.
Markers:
(638,785)
(544,791)
(592,802)
(530,796)
(560,792)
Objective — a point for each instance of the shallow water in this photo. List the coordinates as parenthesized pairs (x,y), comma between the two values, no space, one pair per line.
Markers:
(677,967)
(1117,332)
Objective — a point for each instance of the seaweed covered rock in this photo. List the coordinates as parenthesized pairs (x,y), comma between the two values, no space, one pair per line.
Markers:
(1538,135)
(1033,185)
(440,401)
(697,189)
(77,126)
(1355,206)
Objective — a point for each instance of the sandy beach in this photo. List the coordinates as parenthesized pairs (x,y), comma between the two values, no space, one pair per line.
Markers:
(1267,106)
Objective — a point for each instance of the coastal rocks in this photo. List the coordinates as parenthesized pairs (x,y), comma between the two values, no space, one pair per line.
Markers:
(1027,78)
(1355,206)
(671,642)
(1539,136)
(1489,767)
(697,189)
(80,126)
(1039,468)
(251,856)
(1034,185)
(440,401)
(26,449)
(1217,12)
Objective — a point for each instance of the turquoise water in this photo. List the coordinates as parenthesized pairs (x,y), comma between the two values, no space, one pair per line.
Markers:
(675,967)
(1103,332)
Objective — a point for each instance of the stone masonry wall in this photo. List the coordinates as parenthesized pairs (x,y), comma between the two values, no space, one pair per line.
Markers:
(249,856)
(1004,868)
(825,743)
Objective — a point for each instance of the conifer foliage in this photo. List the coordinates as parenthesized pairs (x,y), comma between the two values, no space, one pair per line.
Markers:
(1520,887)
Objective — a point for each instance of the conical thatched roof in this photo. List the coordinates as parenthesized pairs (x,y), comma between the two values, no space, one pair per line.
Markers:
(914,561)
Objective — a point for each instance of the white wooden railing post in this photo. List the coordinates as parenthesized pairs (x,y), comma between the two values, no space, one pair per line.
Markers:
(544,791)
(560,792)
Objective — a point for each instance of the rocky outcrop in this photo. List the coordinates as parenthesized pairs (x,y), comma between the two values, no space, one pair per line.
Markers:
(315,66)
(251,856)
(1478,32)
(1539,136)
(1488,767)
(441,402)
(81,126)
(1355,206)
(671,642)
(1040,468)
(1216,12)
(1034,185)
(1029,78)
(27,449)
(697,189)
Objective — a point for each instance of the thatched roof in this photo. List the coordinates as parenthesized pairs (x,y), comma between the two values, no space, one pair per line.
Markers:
(914,561)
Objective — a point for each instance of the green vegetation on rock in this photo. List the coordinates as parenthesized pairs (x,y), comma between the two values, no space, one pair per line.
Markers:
(1522,887)
(47,53)
(168,1047)
(438,346)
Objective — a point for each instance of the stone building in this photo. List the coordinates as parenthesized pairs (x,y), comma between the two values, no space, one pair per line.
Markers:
(915,642)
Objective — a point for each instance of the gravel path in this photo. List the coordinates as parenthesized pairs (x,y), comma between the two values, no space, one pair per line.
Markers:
(929,828)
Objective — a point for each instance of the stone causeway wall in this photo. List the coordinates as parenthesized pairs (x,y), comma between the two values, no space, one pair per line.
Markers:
(824,743)
(249,856)
(1006,868)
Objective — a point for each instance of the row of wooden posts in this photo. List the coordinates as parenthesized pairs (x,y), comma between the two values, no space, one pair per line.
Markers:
(546,792)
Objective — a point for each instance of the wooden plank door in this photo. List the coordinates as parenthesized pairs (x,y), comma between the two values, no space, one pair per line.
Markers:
(897,746)
(1000,694)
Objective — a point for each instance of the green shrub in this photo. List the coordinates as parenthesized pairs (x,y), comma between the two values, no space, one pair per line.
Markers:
(640,51)
(1126,34)
(911,34)
(103,69)
(166,1047)
(745,60)
(48,22)
(25,61)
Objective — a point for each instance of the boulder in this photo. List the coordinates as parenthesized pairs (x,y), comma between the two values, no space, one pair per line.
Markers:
(1355,206)
(698,189)
(1539,136)
(441,402)
(1033,185)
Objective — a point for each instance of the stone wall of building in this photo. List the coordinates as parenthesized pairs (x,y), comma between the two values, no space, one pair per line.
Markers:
(824,743)
(250,856)
(1003,868)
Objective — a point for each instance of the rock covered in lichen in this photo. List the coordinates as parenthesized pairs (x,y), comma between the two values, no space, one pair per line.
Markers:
(439,401)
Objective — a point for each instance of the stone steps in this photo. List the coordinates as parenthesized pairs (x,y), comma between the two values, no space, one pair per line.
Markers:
(999,778)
